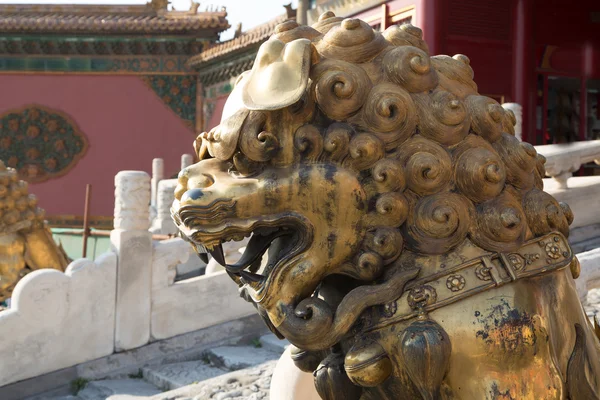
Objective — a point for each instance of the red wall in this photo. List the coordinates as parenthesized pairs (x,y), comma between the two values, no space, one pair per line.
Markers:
(126,125)
(482,31)
(570,42)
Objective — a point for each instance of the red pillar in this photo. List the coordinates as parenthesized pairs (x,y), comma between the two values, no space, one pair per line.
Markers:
(524,83)
(430,20)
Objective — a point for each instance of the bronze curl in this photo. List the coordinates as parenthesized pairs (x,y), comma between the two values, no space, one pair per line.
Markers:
(368,267)
(326,22)
(387,176)
(371,263)
(443,117)
(406,35)
(391,209)
(309,142)
(427,165)
(540,171)
(455,74)
(437,223)
(387,242)
(255,143)
(340,88)
(567,212)
(499,224)
(509,122)
(470,142)
(291,30)
(545,214)
(389,113)
(364,150)
(479,174)
(353,41)
(410,68)
(520,159)
(337,140)
(488,117)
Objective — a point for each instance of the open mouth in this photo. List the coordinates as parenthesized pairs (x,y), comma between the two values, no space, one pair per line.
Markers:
(279,240)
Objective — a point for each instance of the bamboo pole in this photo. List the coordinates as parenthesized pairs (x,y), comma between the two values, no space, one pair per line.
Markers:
(86,216)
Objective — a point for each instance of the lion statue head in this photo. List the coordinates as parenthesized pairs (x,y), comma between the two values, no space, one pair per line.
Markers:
(357,162)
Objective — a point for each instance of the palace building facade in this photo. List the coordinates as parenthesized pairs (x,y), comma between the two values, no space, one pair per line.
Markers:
(90,90)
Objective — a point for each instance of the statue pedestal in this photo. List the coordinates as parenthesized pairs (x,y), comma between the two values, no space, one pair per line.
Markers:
(289,383)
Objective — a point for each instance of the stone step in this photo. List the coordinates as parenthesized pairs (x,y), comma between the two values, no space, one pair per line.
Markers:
(214,363)
(117,389)
(180,374)
(273,343)
(232,358)
(246,384)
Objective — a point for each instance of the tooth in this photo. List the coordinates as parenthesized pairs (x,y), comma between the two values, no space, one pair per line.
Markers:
(217,254)
(203,257)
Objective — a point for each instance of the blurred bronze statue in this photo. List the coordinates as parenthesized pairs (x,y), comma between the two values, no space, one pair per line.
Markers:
(26,243)
(412,251)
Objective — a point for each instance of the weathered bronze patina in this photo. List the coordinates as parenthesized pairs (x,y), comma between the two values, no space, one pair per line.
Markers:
(26,243)
(412,251)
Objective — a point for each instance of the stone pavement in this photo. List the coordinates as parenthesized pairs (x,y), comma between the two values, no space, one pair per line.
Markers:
(241,372)
(222,373)
(592,306)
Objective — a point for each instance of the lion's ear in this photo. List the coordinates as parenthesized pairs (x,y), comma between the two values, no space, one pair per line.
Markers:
(279,76)
(234,102)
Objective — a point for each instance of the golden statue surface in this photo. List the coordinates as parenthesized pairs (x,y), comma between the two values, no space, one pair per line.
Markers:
(412,251)
(26,243)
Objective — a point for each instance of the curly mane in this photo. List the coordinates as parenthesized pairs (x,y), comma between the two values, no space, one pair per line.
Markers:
(440,163)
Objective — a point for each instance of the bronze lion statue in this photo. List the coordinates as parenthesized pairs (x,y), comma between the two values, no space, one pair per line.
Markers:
(411,250)
(26,242)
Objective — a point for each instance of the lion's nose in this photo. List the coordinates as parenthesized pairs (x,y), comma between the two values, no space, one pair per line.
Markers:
(200,181)
(192,194)
(191,186)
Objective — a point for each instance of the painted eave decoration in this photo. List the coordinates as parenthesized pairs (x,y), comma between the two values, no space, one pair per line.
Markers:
(152,18)
(40,143)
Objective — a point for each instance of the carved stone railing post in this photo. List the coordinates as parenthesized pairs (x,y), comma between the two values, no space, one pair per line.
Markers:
(518,111)
(163,223)
(564,159)
(158,174)
(186,161)
(132,243)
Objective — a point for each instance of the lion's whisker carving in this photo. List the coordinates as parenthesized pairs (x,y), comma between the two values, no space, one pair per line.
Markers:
(355,161)
(321,327)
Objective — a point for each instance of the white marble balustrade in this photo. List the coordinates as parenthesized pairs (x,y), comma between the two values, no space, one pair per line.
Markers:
(124,299)
(582,193)
(564,159)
